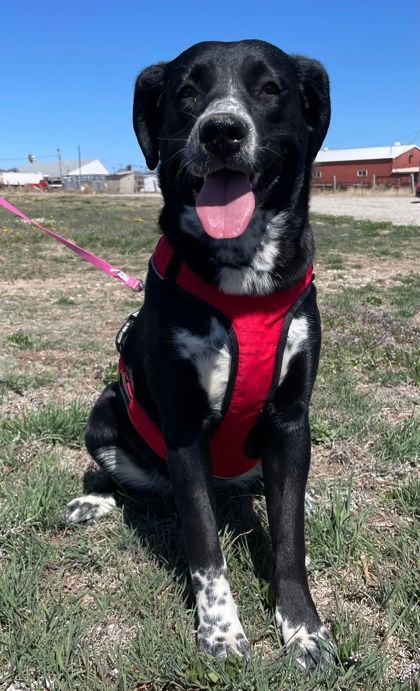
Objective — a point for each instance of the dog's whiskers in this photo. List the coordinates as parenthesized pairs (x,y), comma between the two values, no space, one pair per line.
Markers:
(180,152)
(173,139)
(185,112)
(276,153)
(186,163)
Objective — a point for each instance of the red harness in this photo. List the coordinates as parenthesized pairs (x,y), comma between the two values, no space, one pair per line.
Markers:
(260,324)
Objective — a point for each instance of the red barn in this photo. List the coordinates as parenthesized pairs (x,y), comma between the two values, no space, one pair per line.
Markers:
(395,165)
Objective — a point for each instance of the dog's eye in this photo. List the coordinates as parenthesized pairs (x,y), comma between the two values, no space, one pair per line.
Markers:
(270,88)
(188,91)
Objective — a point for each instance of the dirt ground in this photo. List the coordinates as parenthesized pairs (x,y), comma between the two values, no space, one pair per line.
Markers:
(401,210)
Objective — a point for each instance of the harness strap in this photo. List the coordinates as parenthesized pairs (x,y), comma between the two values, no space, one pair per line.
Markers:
(232,306)
(257,334)
(145,426)
(135,284)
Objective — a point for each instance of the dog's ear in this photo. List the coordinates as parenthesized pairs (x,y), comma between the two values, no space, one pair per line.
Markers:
(146,114)
(314,89)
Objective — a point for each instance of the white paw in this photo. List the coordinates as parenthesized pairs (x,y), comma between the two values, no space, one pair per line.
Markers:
(219,629)
(310,649)
(310,503)
(88,508)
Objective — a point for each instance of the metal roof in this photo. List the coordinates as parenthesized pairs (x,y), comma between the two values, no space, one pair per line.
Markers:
(51,169)
(368,153)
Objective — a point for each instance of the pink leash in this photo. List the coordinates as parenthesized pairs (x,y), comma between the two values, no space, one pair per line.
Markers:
(135,284)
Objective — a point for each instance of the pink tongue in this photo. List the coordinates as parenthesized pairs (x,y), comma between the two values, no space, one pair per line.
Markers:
(225,204)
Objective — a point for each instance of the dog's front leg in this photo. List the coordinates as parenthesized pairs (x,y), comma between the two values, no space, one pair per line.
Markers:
(219,629)
(286,459)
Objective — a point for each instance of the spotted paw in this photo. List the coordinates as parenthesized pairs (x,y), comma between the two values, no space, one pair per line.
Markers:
(88,509)
(309,649)
(219,642)
(313,650)
(219,629)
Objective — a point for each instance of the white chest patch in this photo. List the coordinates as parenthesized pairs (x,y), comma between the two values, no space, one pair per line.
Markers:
(296,339)
(210,356)
(256,279)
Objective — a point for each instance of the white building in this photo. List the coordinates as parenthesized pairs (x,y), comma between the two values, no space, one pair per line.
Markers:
(151,183)
(17,179)
(51,169)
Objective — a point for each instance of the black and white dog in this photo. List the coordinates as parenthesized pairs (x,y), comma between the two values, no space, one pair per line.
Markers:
(235,128)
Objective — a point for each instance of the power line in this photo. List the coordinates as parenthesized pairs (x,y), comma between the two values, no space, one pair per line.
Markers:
(409,135)
(25,158)
(14,159)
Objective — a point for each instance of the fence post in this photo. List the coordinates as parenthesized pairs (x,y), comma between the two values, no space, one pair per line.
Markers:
(374,181)
(334,183)
(412,183)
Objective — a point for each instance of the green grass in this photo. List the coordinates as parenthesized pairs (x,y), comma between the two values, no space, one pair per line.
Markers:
(407,498)
(322,431)
(17,382)
(365,333)
(37,492)
(367,238)
(100,224)
(22,339)
(110,373)
(64,301)
(336,534)
(400,443)
(50,423)
(110,606)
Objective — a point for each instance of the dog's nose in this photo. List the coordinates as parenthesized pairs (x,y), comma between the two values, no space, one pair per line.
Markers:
(222,133)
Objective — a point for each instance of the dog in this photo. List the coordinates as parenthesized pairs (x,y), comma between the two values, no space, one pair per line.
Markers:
(229,316)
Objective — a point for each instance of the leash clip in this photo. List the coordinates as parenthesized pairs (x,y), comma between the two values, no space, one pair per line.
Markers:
(139,287)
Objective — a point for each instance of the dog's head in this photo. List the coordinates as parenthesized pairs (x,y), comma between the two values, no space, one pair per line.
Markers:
(235,127)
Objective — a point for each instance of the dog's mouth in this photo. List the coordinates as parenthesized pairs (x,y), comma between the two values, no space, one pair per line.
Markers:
(225,204)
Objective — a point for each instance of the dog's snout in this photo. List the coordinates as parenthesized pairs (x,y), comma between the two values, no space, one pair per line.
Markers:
(222,133)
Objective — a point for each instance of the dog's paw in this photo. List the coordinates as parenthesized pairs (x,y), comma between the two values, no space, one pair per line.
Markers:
(219,629)
(310,503)
(219,642)
(313,650)
(219,638)
(88,509)
(309,649)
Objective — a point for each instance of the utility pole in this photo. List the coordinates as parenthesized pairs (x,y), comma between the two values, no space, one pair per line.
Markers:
(80,167)
(59,164)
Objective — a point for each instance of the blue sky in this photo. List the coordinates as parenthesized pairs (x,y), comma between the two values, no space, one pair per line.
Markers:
(68,69)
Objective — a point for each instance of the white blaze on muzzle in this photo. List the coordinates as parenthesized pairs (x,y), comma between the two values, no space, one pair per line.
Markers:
(226,202)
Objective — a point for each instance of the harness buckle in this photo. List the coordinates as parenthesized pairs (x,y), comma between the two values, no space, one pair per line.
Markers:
(125,330)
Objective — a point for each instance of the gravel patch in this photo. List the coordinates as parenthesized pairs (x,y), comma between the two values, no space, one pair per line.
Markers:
(400,211)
